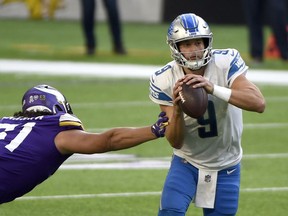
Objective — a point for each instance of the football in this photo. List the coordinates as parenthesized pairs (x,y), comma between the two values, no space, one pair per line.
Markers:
(193,101)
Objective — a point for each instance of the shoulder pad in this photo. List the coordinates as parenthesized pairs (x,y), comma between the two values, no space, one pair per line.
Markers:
(69,120)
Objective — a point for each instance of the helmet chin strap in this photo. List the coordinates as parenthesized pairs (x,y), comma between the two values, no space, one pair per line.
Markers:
(194,65)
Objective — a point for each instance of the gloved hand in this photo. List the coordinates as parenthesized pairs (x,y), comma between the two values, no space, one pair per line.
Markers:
(159,127)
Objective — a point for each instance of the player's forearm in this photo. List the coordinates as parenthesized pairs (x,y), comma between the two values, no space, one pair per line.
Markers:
(122,138)
(175,130)
(248,99)
(244,94)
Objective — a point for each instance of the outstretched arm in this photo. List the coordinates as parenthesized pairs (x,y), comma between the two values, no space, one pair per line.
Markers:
(77,141)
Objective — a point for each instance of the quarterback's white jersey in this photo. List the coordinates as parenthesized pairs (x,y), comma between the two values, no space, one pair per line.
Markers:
(211,142)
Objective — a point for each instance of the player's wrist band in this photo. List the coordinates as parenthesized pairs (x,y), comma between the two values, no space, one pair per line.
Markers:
(222,92)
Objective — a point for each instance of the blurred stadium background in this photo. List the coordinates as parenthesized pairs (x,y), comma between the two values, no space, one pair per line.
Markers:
(149,11)
(36,48)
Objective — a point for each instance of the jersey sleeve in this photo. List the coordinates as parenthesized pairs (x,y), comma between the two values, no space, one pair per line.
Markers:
(160,88)
(237,66)
(231,62)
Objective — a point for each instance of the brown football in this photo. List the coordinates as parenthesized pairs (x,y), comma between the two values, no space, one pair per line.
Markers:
(193,101)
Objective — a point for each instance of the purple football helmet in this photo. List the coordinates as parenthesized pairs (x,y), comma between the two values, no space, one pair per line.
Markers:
(45,98)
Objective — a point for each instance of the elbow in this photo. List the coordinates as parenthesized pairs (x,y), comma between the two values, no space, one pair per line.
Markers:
(176,142)
(177,145)
(261,109)
(258,105)
(261,106)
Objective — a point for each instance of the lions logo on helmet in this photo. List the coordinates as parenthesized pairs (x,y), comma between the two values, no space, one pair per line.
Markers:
(186,27)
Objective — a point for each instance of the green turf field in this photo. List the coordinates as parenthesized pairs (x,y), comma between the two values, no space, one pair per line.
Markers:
(91,99)
(102,103)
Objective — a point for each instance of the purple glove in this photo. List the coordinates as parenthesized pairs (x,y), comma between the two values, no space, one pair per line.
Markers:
(159,127)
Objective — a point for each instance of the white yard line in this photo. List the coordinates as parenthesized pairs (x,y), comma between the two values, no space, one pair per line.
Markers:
(81,196)
(264,125)
(137,194)
(246,126)
(123,104)
(109,161)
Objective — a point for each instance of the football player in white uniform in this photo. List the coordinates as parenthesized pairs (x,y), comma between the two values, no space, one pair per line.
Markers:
(205,167)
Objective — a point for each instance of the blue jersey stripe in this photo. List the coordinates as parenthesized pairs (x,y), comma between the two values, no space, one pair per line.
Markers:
(236,65)
(156,93)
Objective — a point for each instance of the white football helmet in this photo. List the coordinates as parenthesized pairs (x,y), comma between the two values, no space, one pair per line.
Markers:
(185,27)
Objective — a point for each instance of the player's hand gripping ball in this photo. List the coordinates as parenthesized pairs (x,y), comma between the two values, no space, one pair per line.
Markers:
(193,101)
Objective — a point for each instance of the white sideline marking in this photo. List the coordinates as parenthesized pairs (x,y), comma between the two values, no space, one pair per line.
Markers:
(76,68)
(137,194)
(116,70)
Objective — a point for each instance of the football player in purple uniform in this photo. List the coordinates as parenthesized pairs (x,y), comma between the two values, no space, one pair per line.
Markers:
(37,140)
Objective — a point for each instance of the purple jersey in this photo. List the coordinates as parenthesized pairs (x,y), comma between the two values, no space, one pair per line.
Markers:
(28,154)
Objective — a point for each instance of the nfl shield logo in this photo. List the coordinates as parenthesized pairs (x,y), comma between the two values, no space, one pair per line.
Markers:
(207,178)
